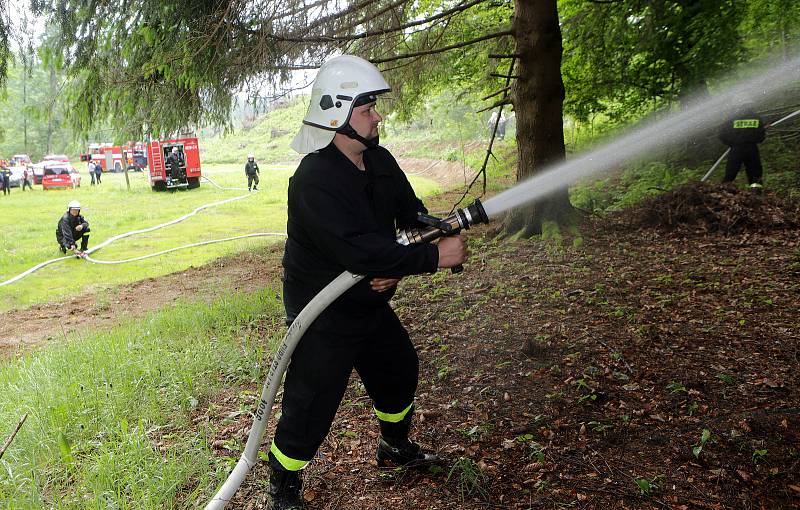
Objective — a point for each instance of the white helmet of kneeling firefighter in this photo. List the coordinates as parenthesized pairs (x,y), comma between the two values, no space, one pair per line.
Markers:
(342,83)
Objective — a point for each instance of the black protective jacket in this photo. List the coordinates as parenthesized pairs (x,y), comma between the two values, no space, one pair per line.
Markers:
(251,168)
(745,128)
(65,231)
(174,165)
(342,218)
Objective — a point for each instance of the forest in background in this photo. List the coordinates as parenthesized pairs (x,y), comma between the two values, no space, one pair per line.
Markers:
(622,61)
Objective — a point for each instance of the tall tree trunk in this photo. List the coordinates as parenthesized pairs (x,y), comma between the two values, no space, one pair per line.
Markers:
(25,103)
(51,112)
(538,103)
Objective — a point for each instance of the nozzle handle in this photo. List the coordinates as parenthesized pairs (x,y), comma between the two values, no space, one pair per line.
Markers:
(457,269)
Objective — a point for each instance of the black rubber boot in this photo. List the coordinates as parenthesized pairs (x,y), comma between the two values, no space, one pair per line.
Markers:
(286,489)
(405,453)
(395,448)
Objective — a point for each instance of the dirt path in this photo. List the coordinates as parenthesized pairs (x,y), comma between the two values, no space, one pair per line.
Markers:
(34,325)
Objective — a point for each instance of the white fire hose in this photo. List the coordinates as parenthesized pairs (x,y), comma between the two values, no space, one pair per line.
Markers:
(293,335)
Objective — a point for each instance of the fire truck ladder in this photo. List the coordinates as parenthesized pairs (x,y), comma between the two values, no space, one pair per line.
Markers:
(158,161)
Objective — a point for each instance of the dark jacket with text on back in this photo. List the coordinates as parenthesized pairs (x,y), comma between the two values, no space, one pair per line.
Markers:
(744,128)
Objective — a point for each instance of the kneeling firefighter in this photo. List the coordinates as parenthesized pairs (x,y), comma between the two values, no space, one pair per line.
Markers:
(346,200)
(71,227)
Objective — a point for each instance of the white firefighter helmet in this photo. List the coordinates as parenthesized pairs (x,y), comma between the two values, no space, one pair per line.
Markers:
(250,156)
(174,150)
(74,205)
(340,83)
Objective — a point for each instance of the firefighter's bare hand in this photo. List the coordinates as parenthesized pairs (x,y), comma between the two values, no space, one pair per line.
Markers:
(383,284)
(452,251)
(79,228)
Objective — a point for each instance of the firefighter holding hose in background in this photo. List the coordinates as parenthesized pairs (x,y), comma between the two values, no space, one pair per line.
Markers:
(72,227)
(742,133)
(346,200)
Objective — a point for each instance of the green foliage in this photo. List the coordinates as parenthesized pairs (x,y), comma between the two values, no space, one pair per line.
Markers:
(758,455)
(468,477)
(623,58)
(33,119)
(267,137)
(109,423)
(629,186)
(697,448)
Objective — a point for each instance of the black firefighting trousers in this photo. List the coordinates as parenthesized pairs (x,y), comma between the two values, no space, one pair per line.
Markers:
(83,235)
(252,179)
(748,155)
(320,368)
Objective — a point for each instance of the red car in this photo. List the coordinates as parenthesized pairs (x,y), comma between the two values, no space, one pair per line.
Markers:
(58,174)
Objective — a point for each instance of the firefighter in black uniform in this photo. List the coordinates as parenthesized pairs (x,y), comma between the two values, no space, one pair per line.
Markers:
(71,227)
(174,162)
(346,200)
(742,133)
(251,171)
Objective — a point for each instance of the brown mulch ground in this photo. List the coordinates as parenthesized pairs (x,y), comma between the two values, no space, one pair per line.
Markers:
(713,208)
(584,375)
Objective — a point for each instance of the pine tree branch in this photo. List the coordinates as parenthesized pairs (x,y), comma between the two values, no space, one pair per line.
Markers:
(504,89)
(502,102)
(444,48)
(371,33)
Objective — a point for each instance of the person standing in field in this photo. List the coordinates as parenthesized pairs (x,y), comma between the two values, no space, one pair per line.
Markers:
(174,166)
(27,178)
(251,170)
(5,174)
(91,170)
(742,133)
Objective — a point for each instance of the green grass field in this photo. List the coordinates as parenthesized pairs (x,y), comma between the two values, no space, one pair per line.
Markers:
(30,220)
(109,413)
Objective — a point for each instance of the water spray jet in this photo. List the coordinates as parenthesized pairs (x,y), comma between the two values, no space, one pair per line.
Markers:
(694,121)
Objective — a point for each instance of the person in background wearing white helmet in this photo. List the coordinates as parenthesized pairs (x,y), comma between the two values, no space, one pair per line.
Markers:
(346,200)
(71,227)
(251,171)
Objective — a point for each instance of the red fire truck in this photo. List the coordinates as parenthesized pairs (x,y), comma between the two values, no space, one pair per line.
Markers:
(189,153)
(116,158)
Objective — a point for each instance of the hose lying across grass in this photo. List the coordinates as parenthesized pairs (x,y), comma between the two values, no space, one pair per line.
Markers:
(257,234)
(145,230)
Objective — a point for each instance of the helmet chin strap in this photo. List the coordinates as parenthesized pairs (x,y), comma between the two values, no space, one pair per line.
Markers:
(348,131)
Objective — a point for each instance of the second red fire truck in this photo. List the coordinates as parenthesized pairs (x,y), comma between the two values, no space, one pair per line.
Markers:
(158,152)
